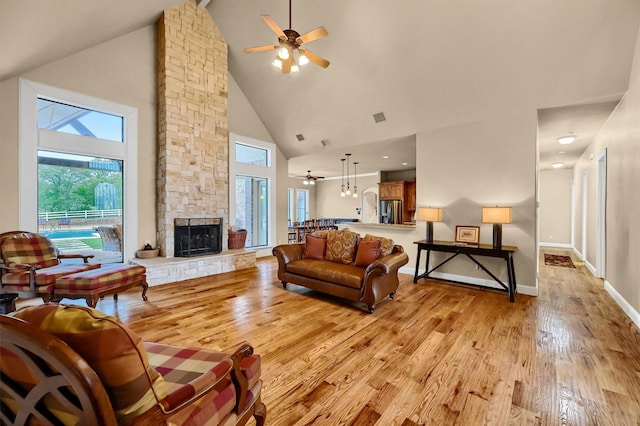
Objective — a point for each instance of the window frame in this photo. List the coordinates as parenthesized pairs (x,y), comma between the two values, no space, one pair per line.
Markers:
(268,172)
(32,139)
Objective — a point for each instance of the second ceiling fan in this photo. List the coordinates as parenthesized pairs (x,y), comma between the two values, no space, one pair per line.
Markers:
(290,55)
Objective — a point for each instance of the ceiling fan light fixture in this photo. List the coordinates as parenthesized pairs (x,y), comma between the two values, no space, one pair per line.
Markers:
(303,60)
(312,182)
(305,182)
(283,53)
(295,68)
(277,62)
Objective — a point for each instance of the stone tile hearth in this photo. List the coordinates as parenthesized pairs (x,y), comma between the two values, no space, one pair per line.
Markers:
(162,270)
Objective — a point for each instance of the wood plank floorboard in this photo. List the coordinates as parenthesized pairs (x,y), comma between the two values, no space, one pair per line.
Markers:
(438,354)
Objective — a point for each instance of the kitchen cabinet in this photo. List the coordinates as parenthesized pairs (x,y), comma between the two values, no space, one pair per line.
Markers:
(411,196)
(392,190)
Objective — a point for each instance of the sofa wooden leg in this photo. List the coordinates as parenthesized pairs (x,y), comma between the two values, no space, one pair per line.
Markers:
(370,308)
(284,284)
(392,295)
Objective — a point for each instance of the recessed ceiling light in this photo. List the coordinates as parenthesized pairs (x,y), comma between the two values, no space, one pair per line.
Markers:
(557,165)
(404,164)
(566,140)
(385,156)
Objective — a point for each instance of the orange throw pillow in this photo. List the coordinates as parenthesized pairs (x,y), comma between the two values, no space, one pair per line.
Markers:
(314,248)
(386,244)
(368,252)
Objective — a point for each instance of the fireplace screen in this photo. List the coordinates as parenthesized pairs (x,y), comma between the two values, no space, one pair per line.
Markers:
(197,237)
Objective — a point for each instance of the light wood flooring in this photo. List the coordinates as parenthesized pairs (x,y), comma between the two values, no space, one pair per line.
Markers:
(438,354)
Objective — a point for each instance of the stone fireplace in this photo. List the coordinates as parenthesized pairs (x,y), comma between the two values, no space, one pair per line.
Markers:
(193,139)
(193,144)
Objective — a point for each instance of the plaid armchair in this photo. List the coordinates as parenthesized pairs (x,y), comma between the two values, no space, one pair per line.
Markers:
(75,365)
(30,264)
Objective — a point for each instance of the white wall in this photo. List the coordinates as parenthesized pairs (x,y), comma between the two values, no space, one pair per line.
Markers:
(329,203)
(121,70)
(243,120)
(555,207)
(620,136)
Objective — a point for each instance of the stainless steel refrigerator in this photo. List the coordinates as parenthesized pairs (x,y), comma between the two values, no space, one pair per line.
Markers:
(391,211)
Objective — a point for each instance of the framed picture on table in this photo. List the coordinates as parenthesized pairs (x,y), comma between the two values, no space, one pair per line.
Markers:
(468,235)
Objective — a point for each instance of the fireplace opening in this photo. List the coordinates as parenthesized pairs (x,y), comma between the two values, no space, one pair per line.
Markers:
(197,236)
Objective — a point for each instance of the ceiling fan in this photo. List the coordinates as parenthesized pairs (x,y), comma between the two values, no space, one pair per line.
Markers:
(308,179)
(290,55)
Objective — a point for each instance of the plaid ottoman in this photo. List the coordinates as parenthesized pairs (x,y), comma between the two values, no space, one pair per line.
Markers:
(96,283)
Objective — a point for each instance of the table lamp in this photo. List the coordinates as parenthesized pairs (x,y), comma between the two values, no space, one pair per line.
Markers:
(497,216)
(430,215)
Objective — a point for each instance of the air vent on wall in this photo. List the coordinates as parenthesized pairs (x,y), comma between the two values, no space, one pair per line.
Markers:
(379,117)
(300,137)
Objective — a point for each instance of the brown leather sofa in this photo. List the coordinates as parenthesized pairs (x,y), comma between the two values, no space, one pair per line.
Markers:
(369,285)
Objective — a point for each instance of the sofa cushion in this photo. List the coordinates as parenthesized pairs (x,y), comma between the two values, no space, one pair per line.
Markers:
(386,244)
(342,246)
(116,354)
(189,371)
(346,275)
(32,249)
(314,247)
(368,252)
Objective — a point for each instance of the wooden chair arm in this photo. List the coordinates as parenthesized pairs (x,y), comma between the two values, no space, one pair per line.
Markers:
(76,256)
(15,267)
(239,380)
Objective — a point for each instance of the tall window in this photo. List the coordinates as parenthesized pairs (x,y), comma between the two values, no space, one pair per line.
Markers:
(252,168)
(86,153)
(291,203)
(302,205)
(252,209)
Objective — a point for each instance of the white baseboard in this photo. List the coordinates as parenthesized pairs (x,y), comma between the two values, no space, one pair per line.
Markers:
(626,307)
(578,254)
(590,267)
(522,289)
(556,245)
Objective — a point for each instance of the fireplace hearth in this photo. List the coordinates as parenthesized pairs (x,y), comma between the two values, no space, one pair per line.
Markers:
(197,236)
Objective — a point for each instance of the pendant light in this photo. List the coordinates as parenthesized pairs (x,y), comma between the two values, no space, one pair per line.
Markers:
(348,191)
(355,174)
(342,194)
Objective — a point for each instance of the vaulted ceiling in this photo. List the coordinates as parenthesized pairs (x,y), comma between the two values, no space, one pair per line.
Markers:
(425,64)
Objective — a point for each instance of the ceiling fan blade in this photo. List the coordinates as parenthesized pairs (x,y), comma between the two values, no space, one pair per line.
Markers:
(261,48)
(274,27)
(315,58)
(312,35)
(286,65)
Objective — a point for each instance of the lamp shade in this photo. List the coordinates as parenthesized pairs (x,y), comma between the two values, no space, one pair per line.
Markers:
(430,214)
(496,215)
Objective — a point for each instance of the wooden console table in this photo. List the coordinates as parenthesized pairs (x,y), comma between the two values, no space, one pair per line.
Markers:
(487,250)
